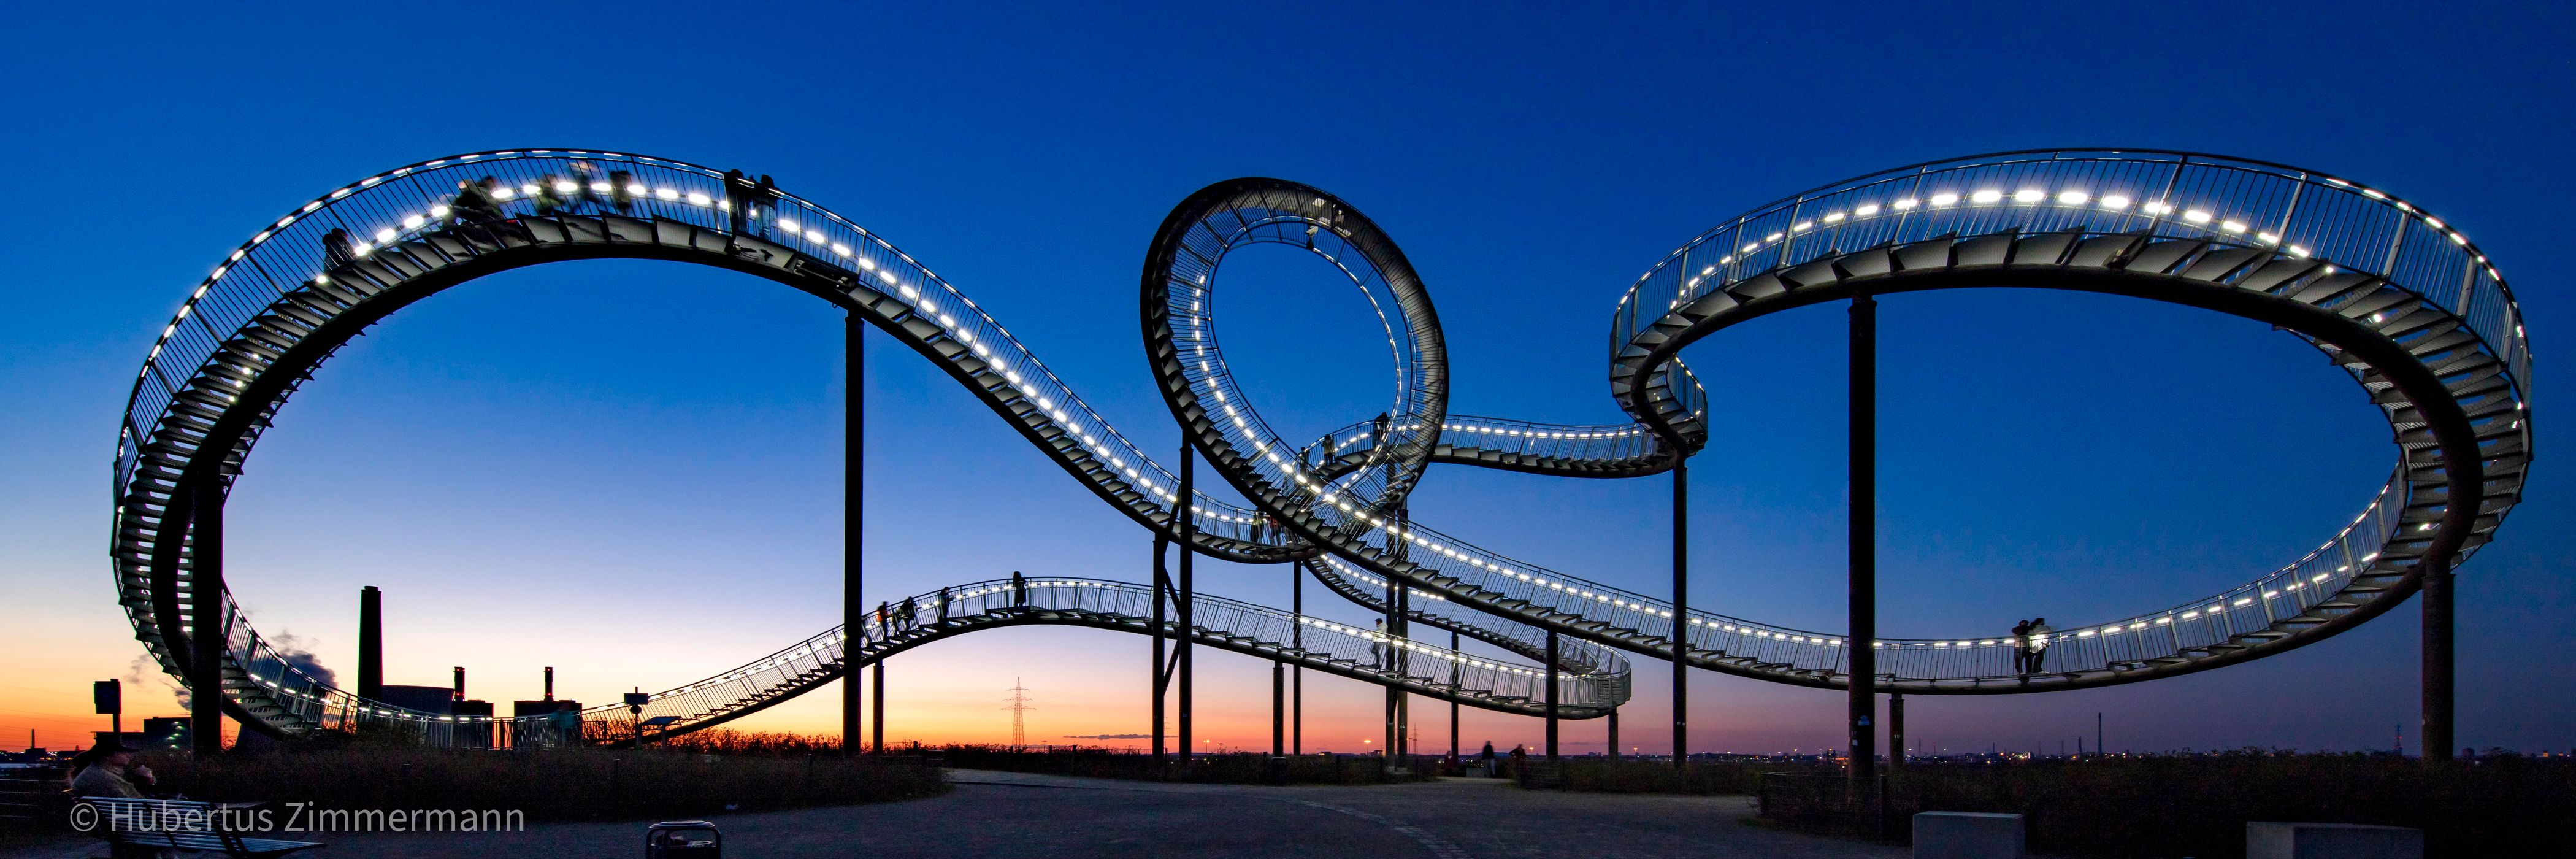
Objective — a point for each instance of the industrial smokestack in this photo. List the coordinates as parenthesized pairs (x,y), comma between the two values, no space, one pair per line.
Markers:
(460,683)
(550,682)
(371,643)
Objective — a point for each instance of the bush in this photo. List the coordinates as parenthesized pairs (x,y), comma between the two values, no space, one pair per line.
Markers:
(1602,775)
(726,741)
(551,784)
(2162,805)
(2197,805)
(1212,769)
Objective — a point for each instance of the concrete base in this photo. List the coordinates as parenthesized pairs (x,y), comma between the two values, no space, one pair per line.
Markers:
(2331,841)
(1967,835)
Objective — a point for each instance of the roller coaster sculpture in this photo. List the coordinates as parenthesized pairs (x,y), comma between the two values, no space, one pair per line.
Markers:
(2390,293)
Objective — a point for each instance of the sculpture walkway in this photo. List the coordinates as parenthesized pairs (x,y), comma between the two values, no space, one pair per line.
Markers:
(2393,295)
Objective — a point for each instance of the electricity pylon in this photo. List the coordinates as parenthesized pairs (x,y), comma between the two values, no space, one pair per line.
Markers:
(1018,704)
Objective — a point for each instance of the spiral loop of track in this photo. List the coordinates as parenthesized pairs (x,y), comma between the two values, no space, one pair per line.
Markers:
(2392,294)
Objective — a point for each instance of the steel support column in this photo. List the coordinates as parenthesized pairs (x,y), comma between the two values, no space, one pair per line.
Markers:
(1401,628)
(1453,690)
(1278,708)
(876,705)
(1681,612)
(1614,733)
(1392,602)
(1162,579)
(371,643)
(854,610)
(1297,675)
(1181,604)
(2437,739)
(1385,659)
(206,620)
(1551,694)
(1895,730)
(1859,654)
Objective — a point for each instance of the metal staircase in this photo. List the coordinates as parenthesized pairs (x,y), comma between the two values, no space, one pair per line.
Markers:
(2386,291)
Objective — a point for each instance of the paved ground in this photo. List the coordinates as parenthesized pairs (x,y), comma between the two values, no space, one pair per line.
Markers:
(1008,814)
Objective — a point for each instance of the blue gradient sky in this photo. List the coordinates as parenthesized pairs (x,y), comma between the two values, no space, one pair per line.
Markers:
(631,470)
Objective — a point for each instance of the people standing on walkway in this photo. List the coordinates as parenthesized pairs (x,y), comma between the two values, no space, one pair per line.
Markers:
(737,200)
(1382,445)
(336,251)
(587,184)
(550,195)
(764,198)
(1019,589)
(943,605)
(2037,644)
(622,189)
(1378,649)
(475,202)
(2021,647)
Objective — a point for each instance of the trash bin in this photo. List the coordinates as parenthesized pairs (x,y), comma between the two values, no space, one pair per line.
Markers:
(683,839)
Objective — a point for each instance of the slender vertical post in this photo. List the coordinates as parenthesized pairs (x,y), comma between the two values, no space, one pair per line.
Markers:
(1551,694)
(1453,692)
(1161,586)
(1406,738)
(1184,605)
(1859,652)
(876,704)
(1614,733)
(1681,611)
(2437,741)
(1895,731)
(1297,675)
(1386,657)
(371,643)
(1278,708)
(854,610)
(206,620)
(1401,628)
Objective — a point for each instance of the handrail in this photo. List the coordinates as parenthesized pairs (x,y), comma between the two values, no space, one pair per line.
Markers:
(1351,651)
(1344,506)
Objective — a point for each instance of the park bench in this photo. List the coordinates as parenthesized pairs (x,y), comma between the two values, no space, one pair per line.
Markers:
(178,824)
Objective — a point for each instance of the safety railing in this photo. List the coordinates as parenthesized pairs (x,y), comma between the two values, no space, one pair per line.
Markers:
(1606,444)
(2232,202)
(408,202)
(281,680)
(2170,194)
(1344,241)
(964,607)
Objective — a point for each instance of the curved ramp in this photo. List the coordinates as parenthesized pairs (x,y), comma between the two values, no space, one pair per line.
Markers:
(2389,292)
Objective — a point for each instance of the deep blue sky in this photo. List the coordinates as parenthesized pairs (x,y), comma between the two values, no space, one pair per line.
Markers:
(632,470)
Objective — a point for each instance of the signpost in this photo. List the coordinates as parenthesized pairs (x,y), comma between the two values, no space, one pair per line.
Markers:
(110,697)
(635,702)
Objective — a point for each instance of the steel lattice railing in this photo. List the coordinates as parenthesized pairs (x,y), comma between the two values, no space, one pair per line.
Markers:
(1336,505)
(1298,640)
